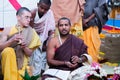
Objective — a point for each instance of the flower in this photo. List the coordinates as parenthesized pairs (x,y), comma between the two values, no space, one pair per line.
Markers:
(77,29)
(116,75)
(117,70)
(96,72)
(88,72)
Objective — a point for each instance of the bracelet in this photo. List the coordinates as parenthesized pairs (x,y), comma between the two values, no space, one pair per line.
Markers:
(80,60)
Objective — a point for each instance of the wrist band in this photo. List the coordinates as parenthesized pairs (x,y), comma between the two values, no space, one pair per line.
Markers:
(89,59)
(80,60)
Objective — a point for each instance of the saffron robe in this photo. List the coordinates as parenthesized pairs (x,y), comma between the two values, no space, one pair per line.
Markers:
(91,31)
(67,8)
(92,40)
(9,58)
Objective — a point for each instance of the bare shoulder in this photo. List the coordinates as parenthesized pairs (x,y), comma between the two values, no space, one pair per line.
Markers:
(53,40)
(6,30)
(4,34)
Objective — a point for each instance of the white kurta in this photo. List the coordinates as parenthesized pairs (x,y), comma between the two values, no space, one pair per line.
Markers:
(38,59)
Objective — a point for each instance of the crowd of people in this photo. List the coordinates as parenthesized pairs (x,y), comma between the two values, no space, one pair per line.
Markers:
(42,38)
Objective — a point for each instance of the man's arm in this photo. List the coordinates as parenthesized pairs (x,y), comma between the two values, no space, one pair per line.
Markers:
(85,21)
(38,26)
(51,53)
(6,43)
(27,50)
(32,18)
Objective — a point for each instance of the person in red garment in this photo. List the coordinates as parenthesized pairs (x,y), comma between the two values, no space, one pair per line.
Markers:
(65,52)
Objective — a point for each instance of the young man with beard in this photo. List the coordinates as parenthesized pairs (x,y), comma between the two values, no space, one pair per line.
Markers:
(65,52)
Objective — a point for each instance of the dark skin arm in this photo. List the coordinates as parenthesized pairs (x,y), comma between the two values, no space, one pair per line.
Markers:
(32,18)
(38,29)
(51,53)
(85,21)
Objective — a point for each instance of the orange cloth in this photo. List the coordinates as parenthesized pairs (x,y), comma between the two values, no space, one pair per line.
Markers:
(92,40)
(67,8)
(9,65)
(115,12)
(8,61)
(9,68)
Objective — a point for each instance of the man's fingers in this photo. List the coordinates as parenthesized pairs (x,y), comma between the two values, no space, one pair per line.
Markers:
(74,58)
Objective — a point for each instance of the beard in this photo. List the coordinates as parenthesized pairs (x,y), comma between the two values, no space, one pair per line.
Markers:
(63,34)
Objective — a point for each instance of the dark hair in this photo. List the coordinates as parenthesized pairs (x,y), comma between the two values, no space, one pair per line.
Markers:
(21,10)
(64,18)
(48,2)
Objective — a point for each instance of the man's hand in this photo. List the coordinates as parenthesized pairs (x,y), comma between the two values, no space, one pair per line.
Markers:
(75,59)
(85,21)
(16,38)
(26,49)
(70,65)
(23,44)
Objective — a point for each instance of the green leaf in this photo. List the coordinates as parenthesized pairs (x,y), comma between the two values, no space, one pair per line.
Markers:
(94,77)
(35,77)
(26,75)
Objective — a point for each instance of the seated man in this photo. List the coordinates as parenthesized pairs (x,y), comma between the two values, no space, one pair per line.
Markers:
(17,45)
(65,52)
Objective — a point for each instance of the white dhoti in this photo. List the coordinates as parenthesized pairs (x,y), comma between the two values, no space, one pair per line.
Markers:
(38,61)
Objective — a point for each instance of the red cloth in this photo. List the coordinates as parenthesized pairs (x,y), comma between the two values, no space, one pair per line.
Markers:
(73,46)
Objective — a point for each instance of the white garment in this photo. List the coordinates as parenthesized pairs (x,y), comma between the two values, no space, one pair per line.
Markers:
(38,62)
(47,22)
(83,72)
(61,74)
(38,59)
(77,74)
